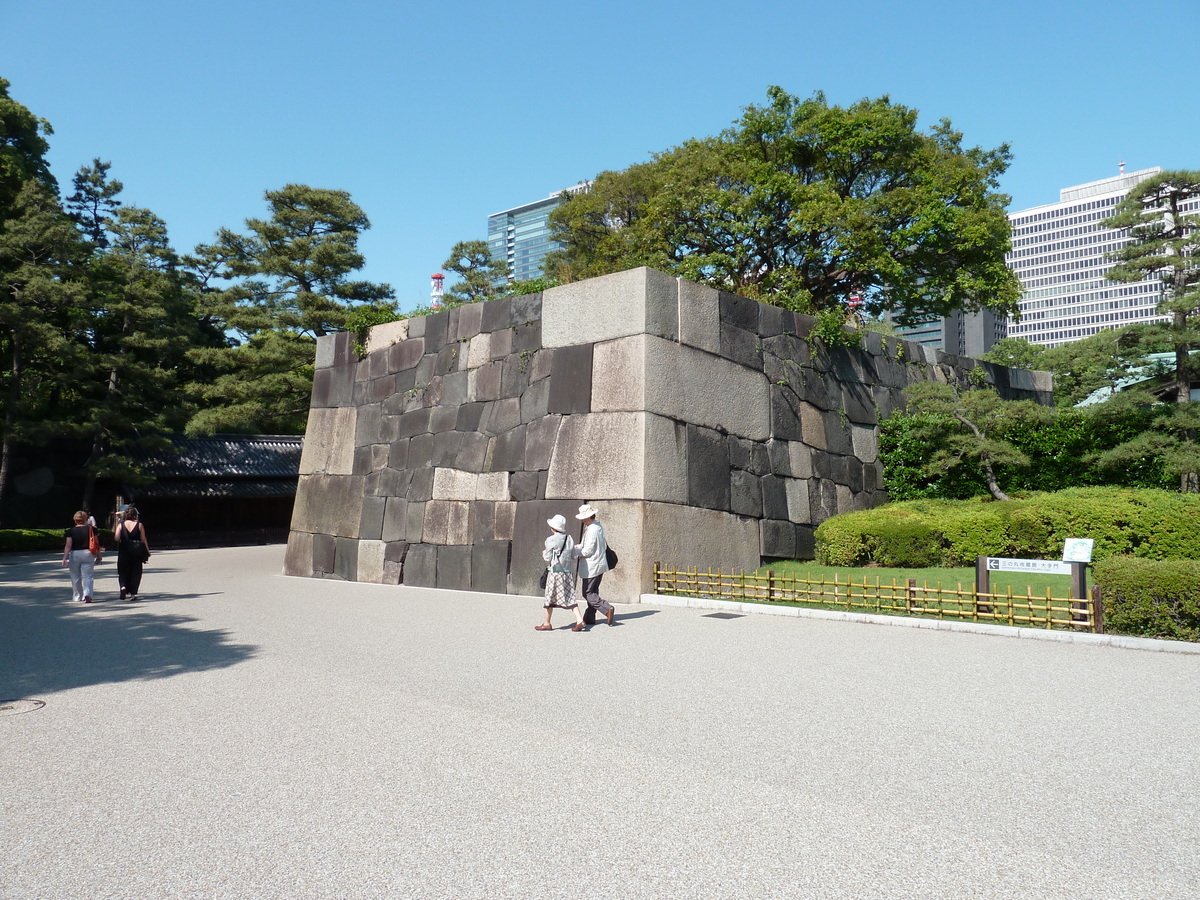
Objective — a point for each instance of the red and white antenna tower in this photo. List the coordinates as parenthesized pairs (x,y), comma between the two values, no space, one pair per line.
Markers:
(437,280)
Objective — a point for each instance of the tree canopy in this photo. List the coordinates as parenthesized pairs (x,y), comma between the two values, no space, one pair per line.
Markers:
(804,205)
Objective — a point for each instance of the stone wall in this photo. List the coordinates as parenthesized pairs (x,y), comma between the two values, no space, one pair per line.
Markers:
(705,427)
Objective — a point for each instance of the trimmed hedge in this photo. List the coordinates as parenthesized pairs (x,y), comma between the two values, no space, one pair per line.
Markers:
(1150,597)
(1151,524)
(18,540)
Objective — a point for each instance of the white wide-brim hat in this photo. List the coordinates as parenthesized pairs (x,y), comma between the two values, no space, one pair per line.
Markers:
(586,512)
(558,523)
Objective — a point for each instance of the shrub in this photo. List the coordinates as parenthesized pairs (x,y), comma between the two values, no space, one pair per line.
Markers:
(1152,524)
(25,540)
(1150,597)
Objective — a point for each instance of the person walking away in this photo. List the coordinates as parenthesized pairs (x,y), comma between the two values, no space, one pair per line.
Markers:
(79,559)
(560,579)
(132,552)
(592,553)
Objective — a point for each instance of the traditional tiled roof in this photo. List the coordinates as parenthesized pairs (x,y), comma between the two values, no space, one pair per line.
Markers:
(227,456)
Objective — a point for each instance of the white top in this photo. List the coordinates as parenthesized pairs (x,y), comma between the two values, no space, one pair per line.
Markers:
(591,551)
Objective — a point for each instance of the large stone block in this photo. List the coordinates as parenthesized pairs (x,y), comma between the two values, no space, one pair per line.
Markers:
(371,520)
(445,447)
(599,455)
(468,322)
(540,436)
(799,509)
(454,568)
(452,484)
(699,316)
(508,451)
(666,460)
(496,314)
(420,565)
(571,380)
(324,553)
(865,440)
(492,486)
(447,522)
(329,504)
(745,494)
(785,414)
(420,488)
(501,416)
(406,354)
(395,518)
(345,560)
(694,387)
(506,517)
(778,539)
(535,400)
(619,375)
(370,561)
(472,452)
(707,468)
(685,537)
(741,346)
(612,306)
(489,567)
(329,441)
(298,559)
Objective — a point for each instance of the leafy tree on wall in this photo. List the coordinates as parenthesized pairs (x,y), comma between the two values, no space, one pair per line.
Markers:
(478,272)
(804,204)
(275,289)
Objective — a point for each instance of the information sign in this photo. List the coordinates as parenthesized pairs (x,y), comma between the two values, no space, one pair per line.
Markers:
(1078,550)
(1040,566)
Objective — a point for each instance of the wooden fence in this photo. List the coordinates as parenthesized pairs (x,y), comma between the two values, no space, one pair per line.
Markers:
(899,597)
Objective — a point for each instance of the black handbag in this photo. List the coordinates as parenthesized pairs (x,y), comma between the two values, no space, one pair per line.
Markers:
(542,580)
(610,557)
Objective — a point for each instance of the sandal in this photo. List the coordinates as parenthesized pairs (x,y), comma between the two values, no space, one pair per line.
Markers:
(543,627)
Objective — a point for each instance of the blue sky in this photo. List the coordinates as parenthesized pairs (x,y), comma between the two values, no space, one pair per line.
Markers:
(433,115)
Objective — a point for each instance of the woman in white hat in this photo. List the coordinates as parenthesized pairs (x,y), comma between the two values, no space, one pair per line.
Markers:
(560,579)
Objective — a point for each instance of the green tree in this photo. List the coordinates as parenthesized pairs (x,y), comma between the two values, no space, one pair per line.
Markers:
(1163,242)
(94,201)
(804,204)
(275,289)
(962,425)
(482,277)
(23,148)
(43,309)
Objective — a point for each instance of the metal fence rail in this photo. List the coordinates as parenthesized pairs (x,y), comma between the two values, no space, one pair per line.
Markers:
(904,598)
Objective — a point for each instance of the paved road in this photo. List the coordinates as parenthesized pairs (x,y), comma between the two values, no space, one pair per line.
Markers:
(242,734)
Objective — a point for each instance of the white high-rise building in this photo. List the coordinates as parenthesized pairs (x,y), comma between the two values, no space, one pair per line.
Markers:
(1059,253)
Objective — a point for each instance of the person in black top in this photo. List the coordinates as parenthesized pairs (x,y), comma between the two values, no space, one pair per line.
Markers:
(79,558)
(132,551)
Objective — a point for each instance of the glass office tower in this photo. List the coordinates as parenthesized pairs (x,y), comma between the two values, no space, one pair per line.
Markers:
(1059,253)
(521,236)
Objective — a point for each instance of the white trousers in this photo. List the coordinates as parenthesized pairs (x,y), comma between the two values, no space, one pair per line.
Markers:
(82,565)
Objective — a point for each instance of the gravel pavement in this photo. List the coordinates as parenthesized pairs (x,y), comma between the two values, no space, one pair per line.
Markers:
(241,734)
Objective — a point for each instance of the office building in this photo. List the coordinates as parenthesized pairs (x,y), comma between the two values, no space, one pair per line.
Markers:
(1060,253)
(521,235)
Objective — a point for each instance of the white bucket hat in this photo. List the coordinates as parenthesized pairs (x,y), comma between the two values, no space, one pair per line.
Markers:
(587,511)
(558,523)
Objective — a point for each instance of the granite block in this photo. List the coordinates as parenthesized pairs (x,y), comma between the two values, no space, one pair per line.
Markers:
(325,350)
(453,484)
(541,365)
(619,374)
(345,559)
(420,565)
(741,346)
(445,448)
(749,456)
(469,417)
(806,542)
(812,426)
(329,504)
(745,494)
(665,460)
(774,320)
(416,327)
(420,488)
(485,381)
(800,460)
(479,350)
(443,418)
(369,425)
(858,403)
(508,451)
(779,457)
(420,451)
(414,524)
(506,516)
(489,566)
(395,519)
(837,435)
(470,321)
(571,380)
(602,453)
(447,361)
(329,442)
(492,486)
(612,306)
(865,440)
(785,414)
(370,562)
(707,468)
(699,316)
(527,336)
(523,485)
(371,521)
(324,552)
(436,330)
(298,559)
(454,568)
(774,495)
(386,335)
(447,522)
(483,521)
(739,312)
(526,309)
(798,503)
(529,534)
(501,416)
(540,435)
(778,539)
(535,401)
(496,314)
(454,388)
(412,423)
(514,377)
(500,345)
(425,370)
(472,452)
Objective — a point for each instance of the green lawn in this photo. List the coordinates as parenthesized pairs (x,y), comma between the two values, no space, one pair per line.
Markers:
(1059,585)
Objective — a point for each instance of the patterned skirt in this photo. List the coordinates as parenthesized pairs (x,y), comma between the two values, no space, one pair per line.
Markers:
(560,590)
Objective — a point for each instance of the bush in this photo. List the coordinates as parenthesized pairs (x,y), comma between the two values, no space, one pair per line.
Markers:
(25,540)
(1151,524)
(1150,597)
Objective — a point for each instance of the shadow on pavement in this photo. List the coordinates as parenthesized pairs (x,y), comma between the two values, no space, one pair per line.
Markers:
(52,645)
